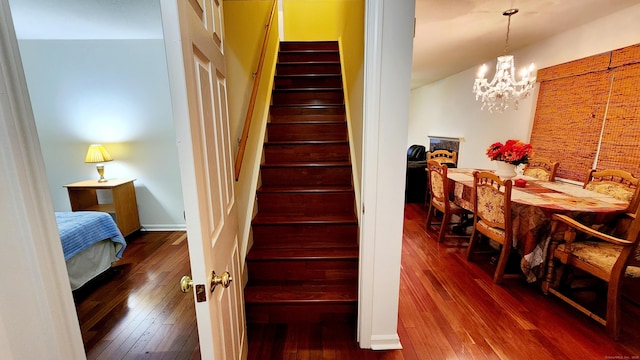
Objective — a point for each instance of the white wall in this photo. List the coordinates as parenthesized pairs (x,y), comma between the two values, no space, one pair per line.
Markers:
(448,107)
(114,92)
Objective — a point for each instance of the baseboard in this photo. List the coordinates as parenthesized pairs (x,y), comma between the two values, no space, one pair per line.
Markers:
(164,227)
(385,342)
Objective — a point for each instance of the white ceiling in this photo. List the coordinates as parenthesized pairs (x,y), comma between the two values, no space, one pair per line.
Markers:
(451,35)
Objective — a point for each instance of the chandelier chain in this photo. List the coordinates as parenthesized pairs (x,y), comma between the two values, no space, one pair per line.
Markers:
(506,42)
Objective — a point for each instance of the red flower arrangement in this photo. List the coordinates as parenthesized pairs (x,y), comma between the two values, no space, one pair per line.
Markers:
(513,152)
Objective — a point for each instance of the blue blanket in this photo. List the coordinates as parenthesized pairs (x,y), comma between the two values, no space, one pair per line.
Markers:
(81,229)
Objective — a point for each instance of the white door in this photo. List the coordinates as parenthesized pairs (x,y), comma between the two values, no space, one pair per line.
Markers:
(197,75)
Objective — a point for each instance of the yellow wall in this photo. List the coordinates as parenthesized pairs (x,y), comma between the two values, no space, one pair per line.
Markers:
(244,34)
(352,52)
(313,19)
(341,20)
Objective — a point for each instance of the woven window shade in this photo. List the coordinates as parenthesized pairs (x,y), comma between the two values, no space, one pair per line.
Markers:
(625,56)
(620,147)
(568,121)
(586,65)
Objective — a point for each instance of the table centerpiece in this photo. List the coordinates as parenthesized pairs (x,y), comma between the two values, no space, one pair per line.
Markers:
(509,155)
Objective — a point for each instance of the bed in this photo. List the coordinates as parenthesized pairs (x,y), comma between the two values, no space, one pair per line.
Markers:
(91,242)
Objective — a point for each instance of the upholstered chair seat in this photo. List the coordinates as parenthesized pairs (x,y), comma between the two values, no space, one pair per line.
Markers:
(616,191)
(602,255)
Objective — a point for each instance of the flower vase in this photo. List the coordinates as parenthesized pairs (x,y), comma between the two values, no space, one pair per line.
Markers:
(505,170)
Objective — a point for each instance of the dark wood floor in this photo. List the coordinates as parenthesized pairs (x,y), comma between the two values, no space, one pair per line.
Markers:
(449,309)
(136,310)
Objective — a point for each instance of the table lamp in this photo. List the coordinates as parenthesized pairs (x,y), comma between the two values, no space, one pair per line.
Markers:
(98,154)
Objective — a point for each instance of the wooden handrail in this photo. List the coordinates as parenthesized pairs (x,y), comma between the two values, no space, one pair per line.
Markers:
(254,94)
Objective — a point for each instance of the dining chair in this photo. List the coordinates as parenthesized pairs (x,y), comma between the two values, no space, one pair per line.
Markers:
(440,200)
(444,157)
(619,184)
(541,168)
(492,217)
(607,257)
(450,158)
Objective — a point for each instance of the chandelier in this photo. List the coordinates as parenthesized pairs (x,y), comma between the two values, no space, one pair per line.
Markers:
(504,90)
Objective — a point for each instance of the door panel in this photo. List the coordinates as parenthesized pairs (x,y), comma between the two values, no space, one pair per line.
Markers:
(204,147)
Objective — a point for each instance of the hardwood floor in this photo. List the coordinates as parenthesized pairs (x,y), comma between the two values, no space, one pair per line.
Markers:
(449,309)
(136,310)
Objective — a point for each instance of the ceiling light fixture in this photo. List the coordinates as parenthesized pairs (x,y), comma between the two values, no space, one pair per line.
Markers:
(503,90)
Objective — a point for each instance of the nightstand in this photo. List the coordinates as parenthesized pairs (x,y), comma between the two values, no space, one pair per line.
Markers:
(83,196)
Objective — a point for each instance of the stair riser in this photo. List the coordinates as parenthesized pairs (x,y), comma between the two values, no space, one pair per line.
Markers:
(309,55)
(310,113)
(300,236)
(307,132)
(310,68)
(309,153)
(301,81)
(307,204)
(306,176)
(306,45)
(321,97)
(305,118)
(301,313)
(301,270)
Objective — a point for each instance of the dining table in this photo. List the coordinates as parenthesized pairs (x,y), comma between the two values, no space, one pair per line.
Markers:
(532,206)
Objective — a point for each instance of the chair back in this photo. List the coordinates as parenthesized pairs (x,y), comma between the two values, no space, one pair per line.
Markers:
(631,255)
(542,169)
(444,157)
(616,183)
(492,201)
(438,182)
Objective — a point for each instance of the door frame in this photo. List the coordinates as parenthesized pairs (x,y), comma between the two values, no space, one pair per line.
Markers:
(387,78)
(37,313)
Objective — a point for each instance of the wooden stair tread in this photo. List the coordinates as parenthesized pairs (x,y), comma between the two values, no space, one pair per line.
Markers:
(303,121)
(320,164)
(308,89)
(310,106)
(287,51)
(306,75)
(301,293)
(302,63)
(347,253)
(306,142)
(305,189)
(274,219)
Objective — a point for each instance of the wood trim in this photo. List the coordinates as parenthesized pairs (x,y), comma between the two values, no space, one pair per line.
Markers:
(254,94)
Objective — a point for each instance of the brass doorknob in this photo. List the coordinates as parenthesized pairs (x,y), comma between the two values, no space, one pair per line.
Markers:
(186,283)
(224,280)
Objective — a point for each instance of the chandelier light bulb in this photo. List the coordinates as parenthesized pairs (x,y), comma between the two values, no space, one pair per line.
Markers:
(482,71)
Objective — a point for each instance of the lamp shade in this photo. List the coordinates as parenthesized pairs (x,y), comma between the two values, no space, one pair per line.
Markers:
(97,154)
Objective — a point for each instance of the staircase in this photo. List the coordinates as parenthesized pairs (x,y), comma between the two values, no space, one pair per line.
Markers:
(303,265)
